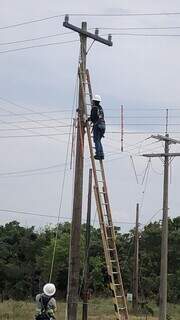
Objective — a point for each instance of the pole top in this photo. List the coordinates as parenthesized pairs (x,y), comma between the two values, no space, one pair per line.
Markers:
(83,31)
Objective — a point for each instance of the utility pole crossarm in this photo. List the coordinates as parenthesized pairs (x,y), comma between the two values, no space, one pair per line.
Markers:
(155,155)
(95,36)
(165,138)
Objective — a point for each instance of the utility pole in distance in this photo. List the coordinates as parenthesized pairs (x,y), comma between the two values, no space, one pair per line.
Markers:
(74,259)
(164,239)
(86,266)
(136,262)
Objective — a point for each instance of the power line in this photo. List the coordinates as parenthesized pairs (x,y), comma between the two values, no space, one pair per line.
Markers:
(39,46)
(73,41)
(66,133)
(145,35)
(67,33)
(106,109)
(35,39)
(54,216)
(139,28)
(35,135)
(33,128)
(22,107)
(60,119)
(67,126)
(31,113)
(125,14)
(10,173)
(30,22)
(154,215)
(90,15)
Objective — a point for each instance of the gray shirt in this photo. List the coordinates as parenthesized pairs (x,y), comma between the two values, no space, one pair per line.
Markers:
(50,306)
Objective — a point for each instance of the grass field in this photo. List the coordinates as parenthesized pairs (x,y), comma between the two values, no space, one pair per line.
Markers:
(99,309)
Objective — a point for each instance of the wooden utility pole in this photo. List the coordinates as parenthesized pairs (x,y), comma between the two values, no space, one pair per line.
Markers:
(74,258)
(74,263)
(86,266)
(164,238)
(136,262)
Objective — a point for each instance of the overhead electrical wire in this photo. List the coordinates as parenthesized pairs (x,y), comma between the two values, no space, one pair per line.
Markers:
(67,126)
(24,108)
(30,113)
(154,215)
(105,107)
(37,214)
(68,33)
(77,40)
(35,39)
(39,46)
(10,173)
(139,28)
(33,128)
(85,14)
(145,34)
(56,166)
(66,133)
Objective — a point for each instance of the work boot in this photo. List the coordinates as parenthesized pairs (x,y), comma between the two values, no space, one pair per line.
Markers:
(96,157)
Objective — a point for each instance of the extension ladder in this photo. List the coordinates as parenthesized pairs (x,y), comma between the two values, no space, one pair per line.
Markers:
(104,213)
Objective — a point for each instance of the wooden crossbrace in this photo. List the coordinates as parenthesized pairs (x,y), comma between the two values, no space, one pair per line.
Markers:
(105,217)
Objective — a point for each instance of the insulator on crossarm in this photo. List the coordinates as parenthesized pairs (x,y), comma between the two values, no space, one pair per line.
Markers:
(66,18)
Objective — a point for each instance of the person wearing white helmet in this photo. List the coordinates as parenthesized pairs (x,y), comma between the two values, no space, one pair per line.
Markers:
(46,303)
(99,127)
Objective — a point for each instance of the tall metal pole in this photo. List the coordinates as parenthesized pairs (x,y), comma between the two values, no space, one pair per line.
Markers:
(164,243)
(86,266)
(136,262)
(74,260)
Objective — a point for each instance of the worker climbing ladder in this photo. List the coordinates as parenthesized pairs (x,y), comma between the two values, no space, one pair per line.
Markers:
(104,211)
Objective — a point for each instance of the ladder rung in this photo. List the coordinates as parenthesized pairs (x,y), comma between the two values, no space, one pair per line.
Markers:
(113,261)
(117,284)
(111,249)
(115,272)
(120,297)
(122,308)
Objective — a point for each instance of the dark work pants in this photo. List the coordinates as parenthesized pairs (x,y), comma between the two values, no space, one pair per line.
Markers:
(97,136)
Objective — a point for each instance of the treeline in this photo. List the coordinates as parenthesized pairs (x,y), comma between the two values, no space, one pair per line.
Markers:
(26,256)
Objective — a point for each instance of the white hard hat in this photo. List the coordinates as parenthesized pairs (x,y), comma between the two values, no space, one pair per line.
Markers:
(96,97)
(49,289)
